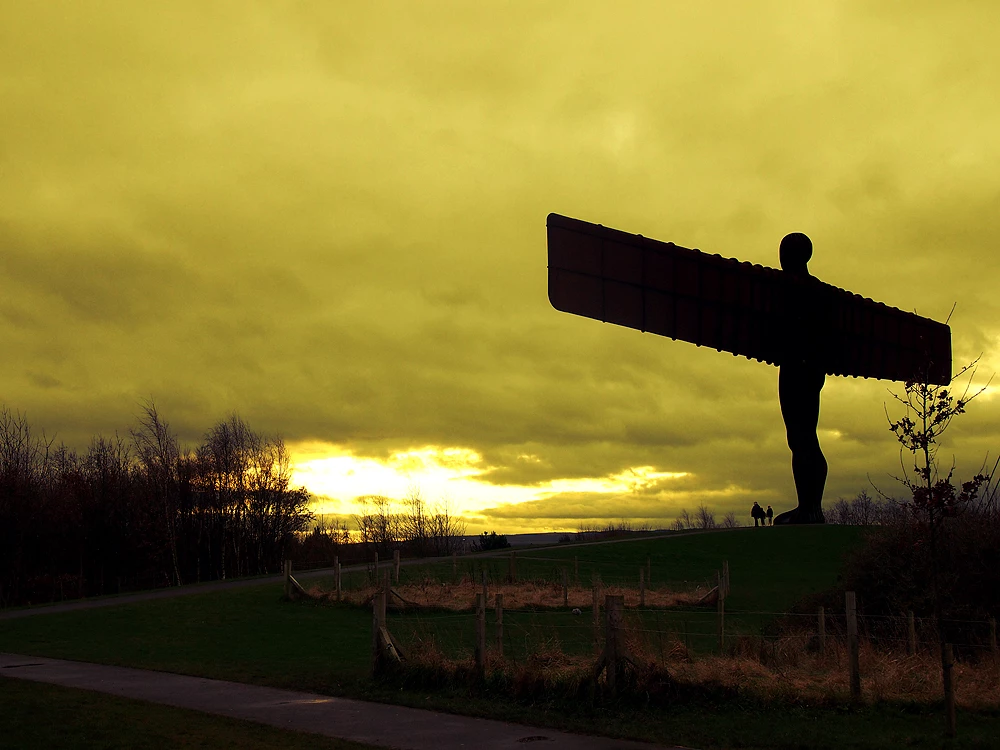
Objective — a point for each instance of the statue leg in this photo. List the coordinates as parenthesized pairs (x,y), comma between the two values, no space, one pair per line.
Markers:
(798,392)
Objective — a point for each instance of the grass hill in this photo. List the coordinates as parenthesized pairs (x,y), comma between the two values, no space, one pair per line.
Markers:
(251,635)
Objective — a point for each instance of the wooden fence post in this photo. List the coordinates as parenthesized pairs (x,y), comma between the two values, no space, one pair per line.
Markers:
(821,615)
(512,567)
(725,575)
(379,602)
(615,655)
(375,578)
(395,563)
(947,662)
(722,613)
(384,596)
(911,633)
(286,569)
(614,606)
(852,644)
(486,596)
(499,624)
(565,583)
(336,576)
(377,622)
(481,634)
(597,606)
(649,570)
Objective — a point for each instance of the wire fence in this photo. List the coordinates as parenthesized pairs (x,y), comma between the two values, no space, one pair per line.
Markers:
(550,615)
(703,631)
(584,627)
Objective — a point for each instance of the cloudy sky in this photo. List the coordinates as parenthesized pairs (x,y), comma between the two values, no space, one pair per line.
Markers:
(329,217)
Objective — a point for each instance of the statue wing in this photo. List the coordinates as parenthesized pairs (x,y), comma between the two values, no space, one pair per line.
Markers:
(748,310)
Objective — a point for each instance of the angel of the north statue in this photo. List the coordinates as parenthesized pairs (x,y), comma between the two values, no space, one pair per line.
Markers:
(785,317)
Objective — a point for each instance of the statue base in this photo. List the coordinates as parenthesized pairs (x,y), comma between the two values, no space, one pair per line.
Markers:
(799,515)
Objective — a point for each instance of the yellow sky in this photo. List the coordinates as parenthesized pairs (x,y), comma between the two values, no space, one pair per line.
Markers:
(330,218)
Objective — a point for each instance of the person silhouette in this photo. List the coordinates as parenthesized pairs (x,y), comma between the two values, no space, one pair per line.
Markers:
(770,516)
(757,513)
(801,377)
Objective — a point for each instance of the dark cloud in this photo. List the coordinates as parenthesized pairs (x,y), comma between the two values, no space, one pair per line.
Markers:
(332,221)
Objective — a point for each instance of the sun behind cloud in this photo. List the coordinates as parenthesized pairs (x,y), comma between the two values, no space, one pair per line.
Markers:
(336,475)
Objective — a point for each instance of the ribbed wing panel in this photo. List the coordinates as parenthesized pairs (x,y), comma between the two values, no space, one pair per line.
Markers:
(749,310)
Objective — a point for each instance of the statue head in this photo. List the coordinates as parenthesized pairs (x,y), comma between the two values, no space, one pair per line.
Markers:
(795,251)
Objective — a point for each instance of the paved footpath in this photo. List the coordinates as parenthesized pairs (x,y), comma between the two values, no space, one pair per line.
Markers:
(371,723)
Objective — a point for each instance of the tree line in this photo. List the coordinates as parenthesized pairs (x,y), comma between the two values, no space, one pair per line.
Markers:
(415,529)
(140,511)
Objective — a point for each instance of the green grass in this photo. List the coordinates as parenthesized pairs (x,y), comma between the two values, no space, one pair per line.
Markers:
(728,724)
(770,568)
(246,635)
(250,635)
(36,715)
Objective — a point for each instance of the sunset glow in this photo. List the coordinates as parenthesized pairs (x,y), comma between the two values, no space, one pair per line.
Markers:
(456,476)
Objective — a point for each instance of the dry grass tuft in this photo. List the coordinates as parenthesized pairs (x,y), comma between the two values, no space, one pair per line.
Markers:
(788,668)
(782,670)
(461,596)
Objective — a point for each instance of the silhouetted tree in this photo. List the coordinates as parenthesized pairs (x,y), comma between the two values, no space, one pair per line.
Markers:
(705,518)
(378,525)
(683,521)
(414,524)
(446,529)
(158,454)
(491,541)
(729,521)
(928,410)
(247,512)
(24,459)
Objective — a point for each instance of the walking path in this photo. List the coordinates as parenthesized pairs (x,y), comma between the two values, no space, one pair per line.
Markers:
(371,723)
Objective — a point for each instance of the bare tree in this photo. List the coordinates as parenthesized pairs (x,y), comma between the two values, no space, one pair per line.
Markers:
(729,521)
(245,478)
(140,510)
(705,518)
(683,521)
(225,460)
(864,510)
(377,523)
(414,522)
(446,530)
(158,453)
(115,516)
(928,410)
(24,461)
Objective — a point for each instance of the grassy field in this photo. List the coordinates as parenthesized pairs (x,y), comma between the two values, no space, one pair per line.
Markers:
(251,635)
(770,567)
(36,715)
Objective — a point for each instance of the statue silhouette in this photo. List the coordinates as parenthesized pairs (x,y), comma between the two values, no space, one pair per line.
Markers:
(800,379)
(808,328)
